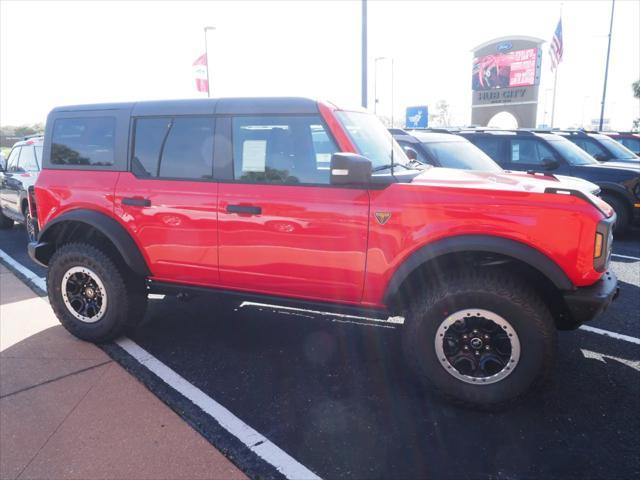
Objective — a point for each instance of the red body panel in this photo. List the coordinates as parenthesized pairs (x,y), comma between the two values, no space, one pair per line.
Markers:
(308,242)
(178,232)
(323,243)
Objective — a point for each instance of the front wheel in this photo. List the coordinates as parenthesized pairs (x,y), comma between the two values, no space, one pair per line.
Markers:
(92,294)
(482,339)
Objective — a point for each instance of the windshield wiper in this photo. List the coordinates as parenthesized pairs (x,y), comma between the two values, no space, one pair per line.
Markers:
(389,165)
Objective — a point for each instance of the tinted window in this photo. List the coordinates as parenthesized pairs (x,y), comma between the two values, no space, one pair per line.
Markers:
(83,141)
(281,150)
(490,146)
(632,144)
(420,156)
(12,161)
(28,161)
(460,154)
(529,151)
(180,147)
(571,152)
(595,150)
(616,150)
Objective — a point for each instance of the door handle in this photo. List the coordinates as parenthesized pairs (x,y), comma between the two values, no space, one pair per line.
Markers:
(246,209)
(136,202)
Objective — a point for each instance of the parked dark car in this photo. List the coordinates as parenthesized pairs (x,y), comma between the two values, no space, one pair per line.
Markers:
(441,148)
(601,147)
(630,140)
(548,152)
(21,172)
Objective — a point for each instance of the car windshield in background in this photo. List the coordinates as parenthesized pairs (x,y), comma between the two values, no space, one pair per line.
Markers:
(460,154)
(571,152)
(617,150)
(372,139)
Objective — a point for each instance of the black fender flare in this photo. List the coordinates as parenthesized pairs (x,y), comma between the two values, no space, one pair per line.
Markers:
(478,243)
(106,225)
(616,189)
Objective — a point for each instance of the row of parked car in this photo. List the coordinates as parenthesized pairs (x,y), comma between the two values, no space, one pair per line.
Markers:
(587,160)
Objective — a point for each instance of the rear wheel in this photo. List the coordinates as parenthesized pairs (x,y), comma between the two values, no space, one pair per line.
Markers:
(92,294)
(482,339)
(30,226)
(623,218)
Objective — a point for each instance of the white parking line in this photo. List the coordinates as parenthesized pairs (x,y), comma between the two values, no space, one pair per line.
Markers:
(618,336)
(625,256)
(255,441)
(39,282)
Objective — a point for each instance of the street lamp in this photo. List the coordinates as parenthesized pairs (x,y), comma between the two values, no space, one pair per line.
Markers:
(375,85)
(206,54)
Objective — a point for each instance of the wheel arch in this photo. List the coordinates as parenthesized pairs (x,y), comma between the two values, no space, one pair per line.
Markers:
(464,246)
(66,227)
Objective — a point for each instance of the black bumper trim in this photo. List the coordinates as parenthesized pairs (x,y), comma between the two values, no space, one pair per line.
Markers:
(585,303)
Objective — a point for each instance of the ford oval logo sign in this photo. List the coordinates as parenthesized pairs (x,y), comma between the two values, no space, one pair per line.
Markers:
(504,47)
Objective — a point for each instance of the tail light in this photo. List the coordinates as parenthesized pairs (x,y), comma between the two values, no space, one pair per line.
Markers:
(31,199)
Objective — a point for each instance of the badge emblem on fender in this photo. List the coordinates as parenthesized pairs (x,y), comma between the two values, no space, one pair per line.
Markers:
(383,217)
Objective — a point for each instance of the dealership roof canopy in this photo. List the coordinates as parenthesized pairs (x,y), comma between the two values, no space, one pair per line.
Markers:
(507,39)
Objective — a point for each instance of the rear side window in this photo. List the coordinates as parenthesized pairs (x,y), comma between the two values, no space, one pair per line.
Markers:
(180,147)
(83,141)
(282,149)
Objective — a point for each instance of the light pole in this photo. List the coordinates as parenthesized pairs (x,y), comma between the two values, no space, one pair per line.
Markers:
(375,85)
(606,68)
(364,55)
(206,55)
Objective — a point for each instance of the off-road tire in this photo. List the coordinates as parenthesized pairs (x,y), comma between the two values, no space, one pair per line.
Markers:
(30,227)
(495,291)
(126,293)
(5,222)
(623,218)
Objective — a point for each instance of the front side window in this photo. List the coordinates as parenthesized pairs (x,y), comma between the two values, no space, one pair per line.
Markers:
(180,147)
(28,161)
(88,141)
(529,151)
(282,150)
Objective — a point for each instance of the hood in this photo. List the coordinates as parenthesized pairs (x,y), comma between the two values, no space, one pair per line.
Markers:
(623,162)
(612,171)
(511,181)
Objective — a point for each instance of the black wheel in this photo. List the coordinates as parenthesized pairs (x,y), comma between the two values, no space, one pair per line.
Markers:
(93,295)
(5,222)
(482,339)
(30,226)
(622,213)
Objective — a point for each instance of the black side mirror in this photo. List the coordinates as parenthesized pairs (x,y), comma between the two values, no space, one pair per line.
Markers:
(350,169)
(600,157)
(411,153)
(550,163)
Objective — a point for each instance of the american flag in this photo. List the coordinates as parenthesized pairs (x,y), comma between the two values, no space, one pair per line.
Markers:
(556,47)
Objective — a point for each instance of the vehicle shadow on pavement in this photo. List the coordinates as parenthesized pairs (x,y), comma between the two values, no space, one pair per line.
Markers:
(339,399)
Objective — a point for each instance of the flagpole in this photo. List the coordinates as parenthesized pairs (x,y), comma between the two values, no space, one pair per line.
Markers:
(606,69)
(553,104)
(206,56)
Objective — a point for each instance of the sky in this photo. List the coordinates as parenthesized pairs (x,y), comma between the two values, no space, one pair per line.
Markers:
(59,53)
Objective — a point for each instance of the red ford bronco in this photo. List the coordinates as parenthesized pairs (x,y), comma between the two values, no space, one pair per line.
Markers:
(295,201)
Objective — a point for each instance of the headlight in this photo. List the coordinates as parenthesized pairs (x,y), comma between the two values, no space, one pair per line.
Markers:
(603,243)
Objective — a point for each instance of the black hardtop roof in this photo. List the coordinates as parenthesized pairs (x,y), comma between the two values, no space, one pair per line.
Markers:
(240,106)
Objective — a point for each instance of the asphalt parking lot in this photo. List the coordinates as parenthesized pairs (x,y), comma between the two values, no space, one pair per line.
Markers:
(332,392)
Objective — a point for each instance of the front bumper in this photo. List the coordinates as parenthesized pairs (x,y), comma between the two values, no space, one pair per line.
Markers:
(585,303)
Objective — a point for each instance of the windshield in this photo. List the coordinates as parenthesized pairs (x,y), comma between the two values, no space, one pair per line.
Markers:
(460,154)
(617,150)
(372,139)
(571,152)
